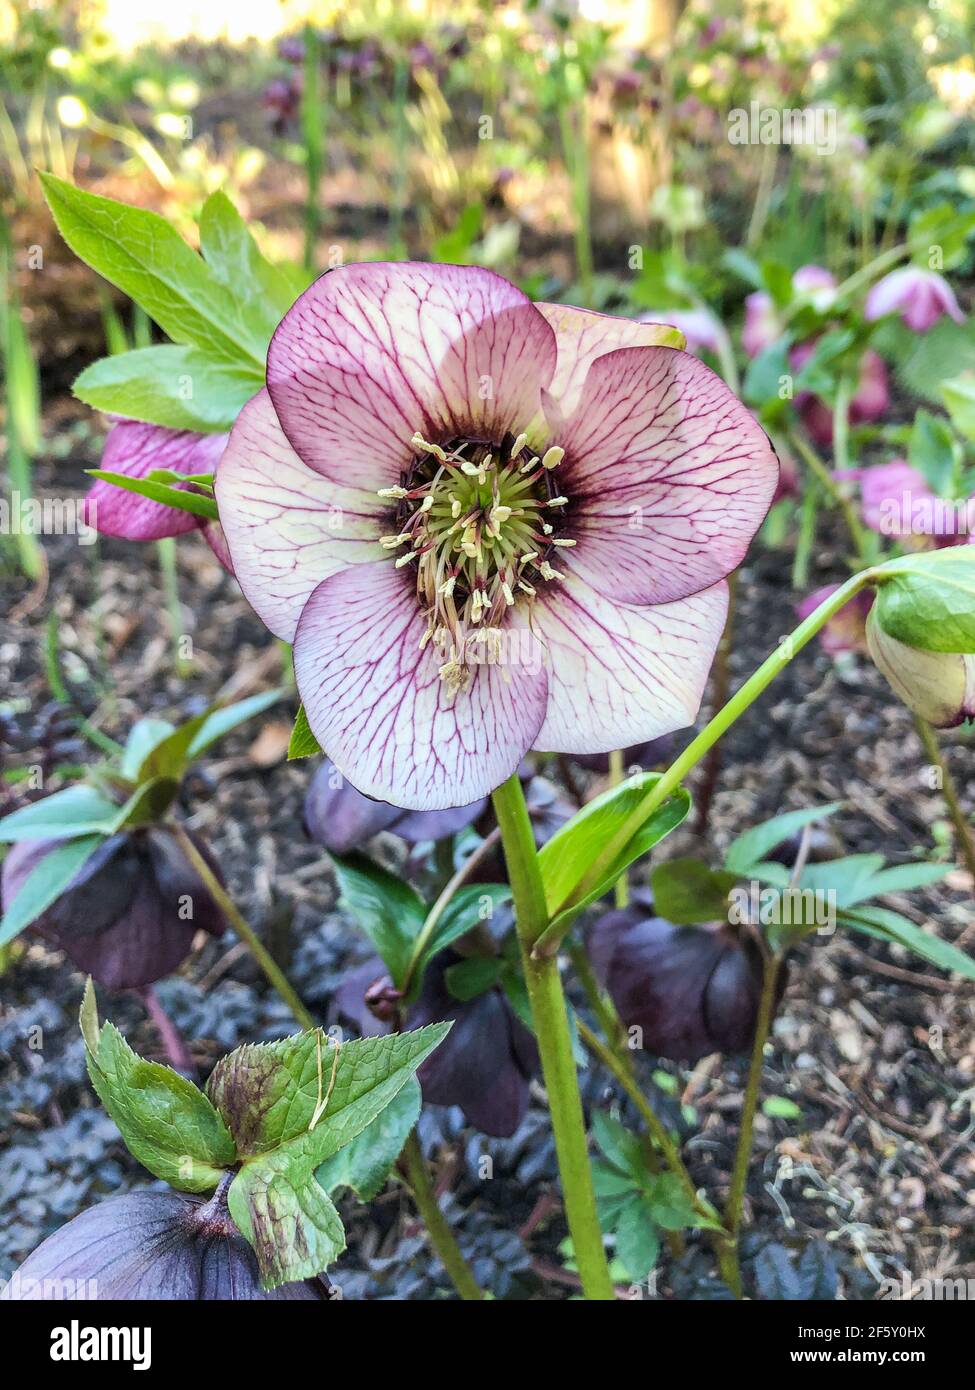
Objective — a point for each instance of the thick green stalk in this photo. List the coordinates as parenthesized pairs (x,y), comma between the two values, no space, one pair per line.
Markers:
(438,1228)
(554,1042)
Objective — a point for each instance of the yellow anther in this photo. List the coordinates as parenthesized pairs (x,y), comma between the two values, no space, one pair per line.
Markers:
(530,465)
(564,542)
(391,542)
(547,572)
(427,503)
(557,501)
(553,457)
(518,445)
(509,597)
(447,587)
(419,442)
(404,560)
(392,492)
(528,589)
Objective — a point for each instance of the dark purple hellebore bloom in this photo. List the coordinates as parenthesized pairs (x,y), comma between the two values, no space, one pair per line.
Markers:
(149,1246)
(486,1062)
(129,916)
(343,819)
(692,990)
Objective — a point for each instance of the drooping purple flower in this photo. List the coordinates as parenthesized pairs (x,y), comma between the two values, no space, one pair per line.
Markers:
(920,297)
(691,990)
(343,819)
(846,630)
(699,326)
(486,1062)
(129,916)
(138,449)
(869,402)
(148,1246)
(897,500)
(486,525)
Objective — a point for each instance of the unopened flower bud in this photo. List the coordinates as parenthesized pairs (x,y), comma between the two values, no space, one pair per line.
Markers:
(937,686)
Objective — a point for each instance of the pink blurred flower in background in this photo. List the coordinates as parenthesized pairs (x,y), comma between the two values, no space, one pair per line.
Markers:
(870,400)
(846,631)
(920,297)
(700,327)
(763,323)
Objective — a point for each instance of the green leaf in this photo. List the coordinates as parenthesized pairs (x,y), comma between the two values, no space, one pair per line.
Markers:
(567,856)
(751,848)
(180,387)
(886,925)
(179,497)
(235,258)
(144,736)
(224,718)
(145,257)
(78,810)
(466,979)
(686,891)
(275,1094)
(902,878)
(291,1106)
(364,1164)
(621,1148)
(933,453)
(637,1238)
(959,397)
(148,803)
(287,1217)
(166,1122)
(45,883)
(927,599)
(671,1207)
(386,908)
(847,879)
(303,742)
(471,904)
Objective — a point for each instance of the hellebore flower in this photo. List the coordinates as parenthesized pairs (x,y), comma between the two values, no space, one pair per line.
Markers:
(699,326)
(763,323)
(845,631)
(138,449)
(921,297)
(147,1246)
(869,401)
(342,819)
(486,525)
(937,686)
(487,1060)
(692,990)
(897,500)
(129,916)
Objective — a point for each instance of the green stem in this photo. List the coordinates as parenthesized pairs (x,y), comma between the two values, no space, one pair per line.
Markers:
(743,1152)
(963,829)
(816,466)
(438,1228)
(166,549)
(617,773)
(312,130)
(546,942)
(554,1041)
(443,901)
(254,944)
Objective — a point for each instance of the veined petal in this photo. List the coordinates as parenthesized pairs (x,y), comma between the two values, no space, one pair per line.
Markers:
(371,354)
(669,474)
(620,674)
(583,335)
(138,449)
(380,710)
(286,527)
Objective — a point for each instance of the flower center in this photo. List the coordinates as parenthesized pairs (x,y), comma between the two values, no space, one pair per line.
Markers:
(478,521)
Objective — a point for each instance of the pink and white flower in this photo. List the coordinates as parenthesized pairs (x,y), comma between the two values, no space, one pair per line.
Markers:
(763,322)
(921,297)
(138,449)
(486,525)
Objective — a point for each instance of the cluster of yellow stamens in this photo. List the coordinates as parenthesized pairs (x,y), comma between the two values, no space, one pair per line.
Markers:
(478,521)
